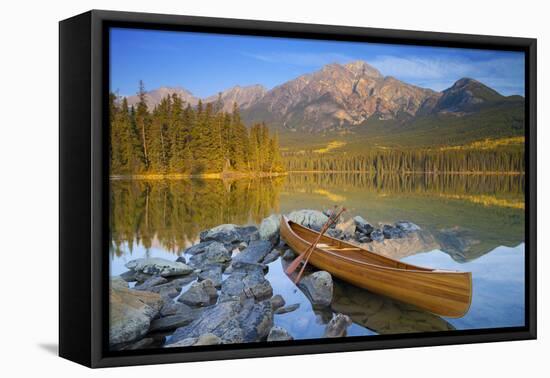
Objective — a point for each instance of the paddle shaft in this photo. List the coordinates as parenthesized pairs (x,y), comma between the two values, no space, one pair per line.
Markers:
(294,264)
(310,251)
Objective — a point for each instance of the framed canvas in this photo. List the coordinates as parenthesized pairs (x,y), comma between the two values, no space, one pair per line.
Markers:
(235,188)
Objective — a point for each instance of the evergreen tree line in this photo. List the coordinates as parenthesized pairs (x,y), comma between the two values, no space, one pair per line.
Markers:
(397,161)
(176,138)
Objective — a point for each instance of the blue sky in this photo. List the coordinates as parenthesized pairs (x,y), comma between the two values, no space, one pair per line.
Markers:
(207,63)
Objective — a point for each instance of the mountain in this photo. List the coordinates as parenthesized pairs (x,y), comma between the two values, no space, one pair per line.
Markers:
(243,96)
(466,94)
(153,98)
(338,96)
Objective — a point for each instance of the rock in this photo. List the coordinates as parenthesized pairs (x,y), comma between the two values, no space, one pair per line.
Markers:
(182,343)
(197,248)
(329,212)
(338,326)
(208,339)
(277,301)
(158,266)
(172,322)
(231,321)
(150,282)
(290,308)
(172,288)
(364,239)
(181,259)
(140,344)
(200,294)
(335,233)
(131,276)
(131,313)
(391,232)
(279,334)
(229,234)
(270,257)
(346,228)
(214,253)
(254,253)
(172,308)
(213,273)
(242,245)
(309,218)
(242,266)
(318,287)
(407,226)
(118,283)
(377,235)
(289,255)
(362,225)
(269,228)
(240,285)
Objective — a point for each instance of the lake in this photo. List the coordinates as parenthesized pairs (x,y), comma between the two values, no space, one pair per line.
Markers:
(476,221)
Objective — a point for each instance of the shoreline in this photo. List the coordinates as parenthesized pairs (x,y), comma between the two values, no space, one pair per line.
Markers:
(180,176)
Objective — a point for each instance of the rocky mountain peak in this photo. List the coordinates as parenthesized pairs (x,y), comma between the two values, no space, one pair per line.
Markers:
(362,68)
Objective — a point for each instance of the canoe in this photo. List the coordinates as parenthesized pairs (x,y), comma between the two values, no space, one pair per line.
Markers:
(441,292)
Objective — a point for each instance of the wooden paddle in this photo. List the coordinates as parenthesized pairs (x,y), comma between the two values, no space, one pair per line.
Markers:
(310,251)
(332,219)
(294,264)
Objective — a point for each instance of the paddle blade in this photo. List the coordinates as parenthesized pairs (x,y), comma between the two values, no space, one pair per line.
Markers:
(294,264)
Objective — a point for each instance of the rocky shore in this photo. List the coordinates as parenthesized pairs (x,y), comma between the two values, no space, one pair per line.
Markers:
(217,292)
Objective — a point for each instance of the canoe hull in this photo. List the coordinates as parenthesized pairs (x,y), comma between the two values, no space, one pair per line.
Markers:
(445,293)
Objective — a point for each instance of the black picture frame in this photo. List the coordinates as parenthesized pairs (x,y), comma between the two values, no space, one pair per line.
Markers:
(84,189)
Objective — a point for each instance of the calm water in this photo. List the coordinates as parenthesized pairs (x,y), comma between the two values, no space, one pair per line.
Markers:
(476,224)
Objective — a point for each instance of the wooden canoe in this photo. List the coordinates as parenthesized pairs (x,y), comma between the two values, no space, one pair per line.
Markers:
(442,292)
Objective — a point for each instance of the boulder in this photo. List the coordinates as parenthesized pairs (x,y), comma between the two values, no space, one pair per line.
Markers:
(132,276)
(362,225)
(309,218)
(269,228)
(271,256)
(338,325)
(255,252)
(118,283)
(242,266)
(289,308)
(229,234)
(197,248)
(214,253)
(200,294)
(150,282)
(289,255)
(346,228)
(172,308)
(213,273)
(407,226)
(169,323)
(131,313)
(231,321)
(158,266)
(208,339)
(279,334)
(377,235)
(391,232)
(246,284)
(171,289)
(277,301)
(318,287)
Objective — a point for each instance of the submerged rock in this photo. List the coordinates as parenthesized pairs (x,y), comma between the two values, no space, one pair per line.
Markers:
(289,308)
(279,334)
(130,315)
(318,287)
(200,294)
(158,266)
(338,325)
(309,218)
(269,228)
(277,301)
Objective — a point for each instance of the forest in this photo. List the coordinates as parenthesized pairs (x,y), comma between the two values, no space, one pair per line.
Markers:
(509,160)
(176,138)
